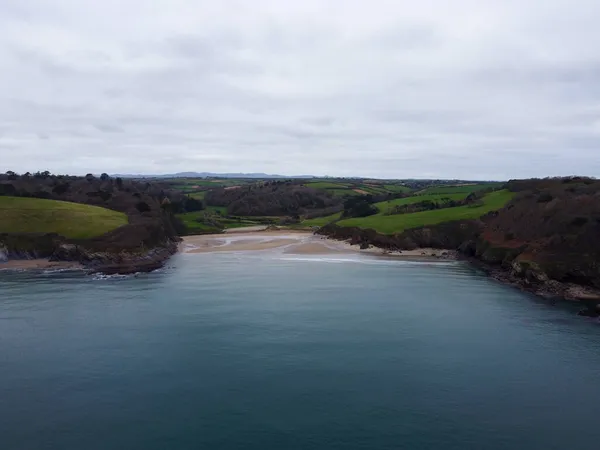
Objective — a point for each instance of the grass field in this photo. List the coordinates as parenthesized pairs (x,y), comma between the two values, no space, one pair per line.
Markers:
(198,195)
(217,209)
(71,220)
(396,188)
(195,227)
(321,221)
(464,189)
(384,207)
(327,185)
(400,222)
(349,188)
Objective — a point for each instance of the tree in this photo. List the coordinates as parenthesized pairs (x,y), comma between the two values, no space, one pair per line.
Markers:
(143,207)
(104,177)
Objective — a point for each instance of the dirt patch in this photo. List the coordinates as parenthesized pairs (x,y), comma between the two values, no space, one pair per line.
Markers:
(360,191)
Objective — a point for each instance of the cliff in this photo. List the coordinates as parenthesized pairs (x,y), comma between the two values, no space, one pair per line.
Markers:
(148,239)
(546,240)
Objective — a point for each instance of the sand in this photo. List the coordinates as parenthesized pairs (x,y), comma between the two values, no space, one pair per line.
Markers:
(292,242)
(246,240)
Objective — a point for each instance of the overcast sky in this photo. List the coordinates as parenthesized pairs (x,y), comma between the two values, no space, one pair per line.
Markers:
(449,89)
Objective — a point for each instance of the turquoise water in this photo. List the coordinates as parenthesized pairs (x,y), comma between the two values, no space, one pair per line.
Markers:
(263,351)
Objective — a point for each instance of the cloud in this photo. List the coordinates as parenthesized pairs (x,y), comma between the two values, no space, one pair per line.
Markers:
(465,89)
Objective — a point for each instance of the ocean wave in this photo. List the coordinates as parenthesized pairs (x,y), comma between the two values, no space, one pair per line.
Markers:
(366,260)
(116,276)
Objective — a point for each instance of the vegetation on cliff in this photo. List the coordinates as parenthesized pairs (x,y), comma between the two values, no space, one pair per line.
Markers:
(116,221)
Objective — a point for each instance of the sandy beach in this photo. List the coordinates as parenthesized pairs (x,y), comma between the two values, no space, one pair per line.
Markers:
(291,242)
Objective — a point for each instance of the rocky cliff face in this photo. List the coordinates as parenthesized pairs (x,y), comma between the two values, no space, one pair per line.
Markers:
(506,263)
(142,246)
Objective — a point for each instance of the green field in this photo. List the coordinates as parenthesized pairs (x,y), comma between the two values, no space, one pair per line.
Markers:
(217,209)
(464,189)
(198,195)
(400,222)
(348,188)
(327,185)
(384,207)
(321,221)
(71,220)
(396,188)
(193,226)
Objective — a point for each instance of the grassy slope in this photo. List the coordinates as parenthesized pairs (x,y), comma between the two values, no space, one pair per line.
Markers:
(386,206)
(466,189)
(320,221)
(71,220)
(193,226)
(400,222)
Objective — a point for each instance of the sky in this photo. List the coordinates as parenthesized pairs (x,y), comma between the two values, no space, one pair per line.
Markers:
(468,89)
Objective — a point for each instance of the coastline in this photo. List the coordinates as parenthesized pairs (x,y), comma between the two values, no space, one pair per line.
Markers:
(303,242)
(513,273)
(298,242)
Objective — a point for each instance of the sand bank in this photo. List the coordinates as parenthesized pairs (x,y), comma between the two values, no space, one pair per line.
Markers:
(292,242)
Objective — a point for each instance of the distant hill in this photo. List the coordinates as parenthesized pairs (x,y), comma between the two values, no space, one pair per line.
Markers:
(213,175)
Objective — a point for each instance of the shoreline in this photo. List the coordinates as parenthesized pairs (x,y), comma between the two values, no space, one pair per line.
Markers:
(303,242)
(296,242)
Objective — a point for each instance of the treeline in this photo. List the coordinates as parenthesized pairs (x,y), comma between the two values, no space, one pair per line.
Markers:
(272,198)
(150,206)
(121,194)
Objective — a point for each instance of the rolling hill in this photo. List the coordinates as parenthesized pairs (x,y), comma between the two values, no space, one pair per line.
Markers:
(71,220)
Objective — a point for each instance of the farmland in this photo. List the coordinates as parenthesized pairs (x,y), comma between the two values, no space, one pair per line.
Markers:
(388,224)
(347,188)
(71,220)
(390,193)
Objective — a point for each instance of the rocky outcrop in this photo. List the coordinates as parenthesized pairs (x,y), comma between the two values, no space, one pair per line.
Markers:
(126,263)
(127,250)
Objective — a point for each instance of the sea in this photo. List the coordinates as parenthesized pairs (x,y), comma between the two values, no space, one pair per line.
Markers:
(263,350)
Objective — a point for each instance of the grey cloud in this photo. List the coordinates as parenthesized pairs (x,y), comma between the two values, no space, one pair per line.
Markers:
(107,128)
(393,89)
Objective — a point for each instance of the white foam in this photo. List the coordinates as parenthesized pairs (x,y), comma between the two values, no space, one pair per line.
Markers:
(375,260)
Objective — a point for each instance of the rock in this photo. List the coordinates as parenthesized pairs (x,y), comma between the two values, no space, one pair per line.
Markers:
(468,248)
(66,252)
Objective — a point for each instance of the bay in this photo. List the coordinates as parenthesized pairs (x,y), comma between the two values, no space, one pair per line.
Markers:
(262,350)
